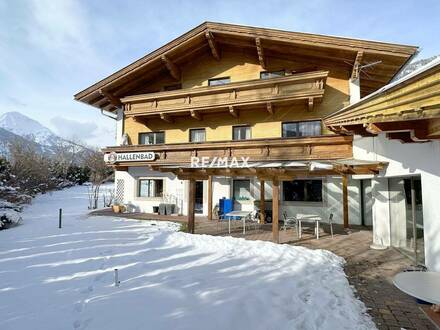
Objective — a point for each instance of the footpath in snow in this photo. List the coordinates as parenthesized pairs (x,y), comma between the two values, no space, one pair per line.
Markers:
(58,279)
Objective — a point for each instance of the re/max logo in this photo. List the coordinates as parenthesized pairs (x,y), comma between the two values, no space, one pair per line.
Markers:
(219,162)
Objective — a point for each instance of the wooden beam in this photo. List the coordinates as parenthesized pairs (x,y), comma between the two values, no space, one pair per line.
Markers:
(195,114)
(345,200)
(213,45)
(210,197)
(275,210)
(357,65)
(269,108)
(191,205)
(113,99)
(262,203)
(166,118)
(172,68)
(233,112)
(260,52)
(310,104)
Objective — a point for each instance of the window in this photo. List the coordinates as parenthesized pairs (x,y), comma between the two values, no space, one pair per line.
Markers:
(152,138)
(172,87)
(241,132)
(219,81)
(150,188)
(272,74)
(302,128)
(302,190)
(197,135)
(242,190)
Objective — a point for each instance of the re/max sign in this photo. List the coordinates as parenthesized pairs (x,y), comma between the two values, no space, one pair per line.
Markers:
(219,162)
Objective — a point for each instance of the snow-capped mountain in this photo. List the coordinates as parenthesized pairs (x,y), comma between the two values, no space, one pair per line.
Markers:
(16,126)
(28,128)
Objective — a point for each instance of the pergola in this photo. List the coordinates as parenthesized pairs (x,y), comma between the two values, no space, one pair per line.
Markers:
(275,172)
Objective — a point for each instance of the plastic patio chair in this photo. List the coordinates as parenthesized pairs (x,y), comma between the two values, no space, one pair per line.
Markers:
(288,221)
(330,222)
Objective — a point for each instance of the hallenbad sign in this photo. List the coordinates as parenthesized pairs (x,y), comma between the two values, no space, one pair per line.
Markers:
(114,157)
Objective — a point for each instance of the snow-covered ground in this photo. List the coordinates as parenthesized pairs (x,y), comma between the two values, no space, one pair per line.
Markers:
(54,278)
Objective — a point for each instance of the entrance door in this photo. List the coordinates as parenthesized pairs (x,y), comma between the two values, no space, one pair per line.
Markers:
(199,197)
(407,217)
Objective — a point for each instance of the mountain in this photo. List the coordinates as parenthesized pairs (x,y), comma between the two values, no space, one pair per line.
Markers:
(16,126)
(7,137)
(28,128)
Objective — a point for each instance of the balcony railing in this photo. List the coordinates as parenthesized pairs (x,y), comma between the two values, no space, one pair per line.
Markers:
(308,87)
(327,147)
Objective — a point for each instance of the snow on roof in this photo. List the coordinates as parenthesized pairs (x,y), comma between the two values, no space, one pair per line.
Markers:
(419,71)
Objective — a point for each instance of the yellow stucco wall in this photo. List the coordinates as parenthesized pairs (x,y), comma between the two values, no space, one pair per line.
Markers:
(239,66)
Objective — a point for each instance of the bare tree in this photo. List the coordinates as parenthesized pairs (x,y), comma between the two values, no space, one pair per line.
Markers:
(99,173)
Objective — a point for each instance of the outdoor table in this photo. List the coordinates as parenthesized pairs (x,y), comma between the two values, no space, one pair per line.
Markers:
(308,218)
(421,285)
(238,214)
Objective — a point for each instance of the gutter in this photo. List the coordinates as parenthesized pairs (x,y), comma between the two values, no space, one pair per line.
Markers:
(109,114)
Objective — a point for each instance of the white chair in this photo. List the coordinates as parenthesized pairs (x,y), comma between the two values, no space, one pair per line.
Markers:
(289,221)
(330,222)
(253,218)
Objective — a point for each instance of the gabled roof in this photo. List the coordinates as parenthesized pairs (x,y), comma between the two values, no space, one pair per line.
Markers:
(306,47)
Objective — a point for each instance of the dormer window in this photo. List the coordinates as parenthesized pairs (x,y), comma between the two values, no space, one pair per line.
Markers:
(219,81)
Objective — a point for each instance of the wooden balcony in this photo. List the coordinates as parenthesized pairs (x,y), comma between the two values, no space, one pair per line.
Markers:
(327,147)
(305,87)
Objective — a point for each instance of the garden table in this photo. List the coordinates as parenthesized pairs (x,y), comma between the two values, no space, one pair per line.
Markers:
(421,285)
(308,218)
(238,214)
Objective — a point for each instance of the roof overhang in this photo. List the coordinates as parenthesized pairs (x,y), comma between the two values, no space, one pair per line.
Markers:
(407,109)
(311,48)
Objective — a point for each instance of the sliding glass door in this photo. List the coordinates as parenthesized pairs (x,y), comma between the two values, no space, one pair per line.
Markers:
(407,216)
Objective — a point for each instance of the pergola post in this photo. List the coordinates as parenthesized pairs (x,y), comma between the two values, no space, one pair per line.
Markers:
(210,197)
(275,210)
(191,205)
(262,203)
(345,199)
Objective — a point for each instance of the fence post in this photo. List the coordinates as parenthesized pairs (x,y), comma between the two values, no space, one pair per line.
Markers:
(59,218)
(117,282)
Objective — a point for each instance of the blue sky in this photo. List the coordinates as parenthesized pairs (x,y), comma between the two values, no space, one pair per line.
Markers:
(51,49)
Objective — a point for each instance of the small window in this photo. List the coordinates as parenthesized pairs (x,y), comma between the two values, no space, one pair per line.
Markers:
(152,138)
(197,135)
(302,190)
(302,128)
(242,190)
(272,74)
(219,81)
(172,87)
(150,188)
(241,132)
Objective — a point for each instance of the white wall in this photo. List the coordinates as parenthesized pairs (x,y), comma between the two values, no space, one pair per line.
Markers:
(410,159)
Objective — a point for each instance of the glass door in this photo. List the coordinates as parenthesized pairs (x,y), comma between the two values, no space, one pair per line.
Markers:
(407,217)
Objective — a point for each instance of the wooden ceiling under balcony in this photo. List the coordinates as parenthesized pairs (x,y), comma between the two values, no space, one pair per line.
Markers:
(319,51)
(233,97)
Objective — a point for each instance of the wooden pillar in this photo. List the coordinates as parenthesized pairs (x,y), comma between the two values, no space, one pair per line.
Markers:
(345,199)
(210,197)
(191,205)
(275,210)
(262,202)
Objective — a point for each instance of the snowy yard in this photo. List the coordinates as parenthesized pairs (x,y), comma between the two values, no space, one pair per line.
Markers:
(54,278)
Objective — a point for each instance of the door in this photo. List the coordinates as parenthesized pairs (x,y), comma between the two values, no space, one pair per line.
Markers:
(407,217)
(199,197)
